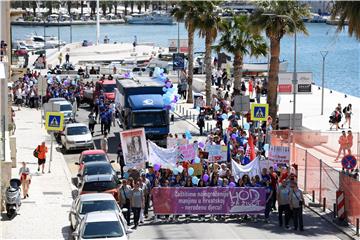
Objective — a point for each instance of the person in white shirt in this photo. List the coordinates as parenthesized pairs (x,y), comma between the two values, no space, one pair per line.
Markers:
(104,143)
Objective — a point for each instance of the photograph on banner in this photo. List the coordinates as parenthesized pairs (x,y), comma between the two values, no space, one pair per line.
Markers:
(175,142)
(165,157)
(279,154)
(198,169)
(209,200)
(186,152)
(217,153)
(133,144)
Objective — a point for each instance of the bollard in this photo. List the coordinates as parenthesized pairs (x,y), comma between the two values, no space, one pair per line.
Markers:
(324,204)
(334,210)
(207,127)
(313,196)
(194,117)
(210,128)
(172,117)
(183,110)
(190,115)
(186,114)
(357,227)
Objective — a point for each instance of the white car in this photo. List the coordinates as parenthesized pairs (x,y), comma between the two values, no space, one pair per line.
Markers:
(76,136)
(93,202)
(101,225)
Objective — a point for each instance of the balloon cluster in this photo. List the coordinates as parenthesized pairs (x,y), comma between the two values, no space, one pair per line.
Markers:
(170,97)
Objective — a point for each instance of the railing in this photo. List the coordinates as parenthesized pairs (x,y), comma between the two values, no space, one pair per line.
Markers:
(315,175)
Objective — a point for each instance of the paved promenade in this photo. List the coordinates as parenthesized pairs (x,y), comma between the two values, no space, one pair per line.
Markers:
(45,213)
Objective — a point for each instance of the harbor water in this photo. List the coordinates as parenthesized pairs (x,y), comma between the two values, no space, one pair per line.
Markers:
(341,67)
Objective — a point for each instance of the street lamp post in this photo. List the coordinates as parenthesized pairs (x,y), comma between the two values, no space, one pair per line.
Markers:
(294,82)
(323,54)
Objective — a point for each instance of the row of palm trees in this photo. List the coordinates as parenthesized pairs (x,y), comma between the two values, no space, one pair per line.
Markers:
(242,35)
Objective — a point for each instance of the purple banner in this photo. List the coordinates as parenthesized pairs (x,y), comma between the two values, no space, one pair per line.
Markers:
(208,200)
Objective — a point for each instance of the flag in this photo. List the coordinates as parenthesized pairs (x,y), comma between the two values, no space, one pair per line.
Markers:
(251,148)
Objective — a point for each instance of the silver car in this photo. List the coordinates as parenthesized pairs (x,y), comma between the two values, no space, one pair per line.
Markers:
(76,136)
(101,225)
(92,202)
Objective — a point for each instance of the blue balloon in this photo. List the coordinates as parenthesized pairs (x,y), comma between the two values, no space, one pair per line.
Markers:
(246,126)
(195,180)
(224,116)
(197,160)
(164,89)
(175,171)
(217,108)
(198,109)
(126,175)
(190,171)
(266,147)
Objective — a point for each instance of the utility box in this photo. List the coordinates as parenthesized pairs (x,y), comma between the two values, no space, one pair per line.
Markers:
(285,120)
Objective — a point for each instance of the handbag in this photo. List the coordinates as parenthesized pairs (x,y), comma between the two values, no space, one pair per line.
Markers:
(300,202)
(36,152)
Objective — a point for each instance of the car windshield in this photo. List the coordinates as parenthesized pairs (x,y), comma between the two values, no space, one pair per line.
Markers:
(98,169)
(149,119)
(94,158)
(108,88)
(102,230)
(81,130)
(99,186)
(66,107)
(100,205)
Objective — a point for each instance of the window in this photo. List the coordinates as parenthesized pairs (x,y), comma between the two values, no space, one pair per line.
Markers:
(108,88)
(99,186)
(98,169)
(94,158)
(101,205)
(102,230)
(81,130)
(65,108)
(149,119)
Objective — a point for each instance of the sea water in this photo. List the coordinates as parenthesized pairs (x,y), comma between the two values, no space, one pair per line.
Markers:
(341,65)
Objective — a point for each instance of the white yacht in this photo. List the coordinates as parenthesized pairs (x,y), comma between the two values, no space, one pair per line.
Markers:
(153,18)
(38,41)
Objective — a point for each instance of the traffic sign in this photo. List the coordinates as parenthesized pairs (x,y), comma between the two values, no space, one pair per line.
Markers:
(259,112)
(348,162)
(54,121)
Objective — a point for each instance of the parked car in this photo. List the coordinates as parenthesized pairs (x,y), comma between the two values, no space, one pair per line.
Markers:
(101,225)
(96,155)
(93,202)
(108,183)
(96,168)
(76,136)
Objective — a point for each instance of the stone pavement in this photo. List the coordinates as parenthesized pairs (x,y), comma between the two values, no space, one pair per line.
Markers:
(44,215)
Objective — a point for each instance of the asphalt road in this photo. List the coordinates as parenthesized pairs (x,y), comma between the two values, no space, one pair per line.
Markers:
(315,227)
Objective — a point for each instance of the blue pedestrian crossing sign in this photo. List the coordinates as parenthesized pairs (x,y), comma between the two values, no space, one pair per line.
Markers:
(259,112)
(54,121)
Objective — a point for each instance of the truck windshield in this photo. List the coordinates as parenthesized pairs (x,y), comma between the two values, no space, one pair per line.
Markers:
(149,119)
(109,88)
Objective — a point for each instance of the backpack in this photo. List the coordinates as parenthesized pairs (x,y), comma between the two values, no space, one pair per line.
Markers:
(36,151)
(344,110)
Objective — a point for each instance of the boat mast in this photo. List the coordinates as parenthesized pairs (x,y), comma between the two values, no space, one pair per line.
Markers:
(97,23)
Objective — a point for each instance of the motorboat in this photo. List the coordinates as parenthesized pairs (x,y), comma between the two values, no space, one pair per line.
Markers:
(44,42)
(153,18)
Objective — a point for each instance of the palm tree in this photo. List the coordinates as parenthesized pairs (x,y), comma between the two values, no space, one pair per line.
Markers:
(348,11)
(139,6)
(187,11)
(126,5)
(33,6)
(275,28)
(132,6)
(93,8)
(68,4)
(239,38)
(208,29)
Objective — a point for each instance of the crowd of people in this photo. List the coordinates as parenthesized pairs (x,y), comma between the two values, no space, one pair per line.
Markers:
(340,114)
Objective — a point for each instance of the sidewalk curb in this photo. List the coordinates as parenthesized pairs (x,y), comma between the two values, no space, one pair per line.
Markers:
(350,233)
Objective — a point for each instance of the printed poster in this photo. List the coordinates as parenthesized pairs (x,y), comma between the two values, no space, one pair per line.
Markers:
(279,154)
(133,144)
(217,153)
(187,152)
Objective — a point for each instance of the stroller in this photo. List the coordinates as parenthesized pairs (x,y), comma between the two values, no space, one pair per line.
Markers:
(13,197)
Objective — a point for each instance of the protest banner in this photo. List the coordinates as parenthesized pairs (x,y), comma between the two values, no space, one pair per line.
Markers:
(165,157)
(133,144)
(252,169)
(187,152)
(210,200)
(174,142)
(279,154)
(198,169)
(217,153)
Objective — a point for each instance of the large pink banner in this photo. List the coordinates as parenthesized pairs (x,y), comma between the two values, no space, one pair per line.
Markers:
(208,200)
